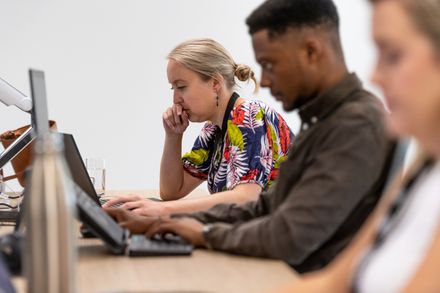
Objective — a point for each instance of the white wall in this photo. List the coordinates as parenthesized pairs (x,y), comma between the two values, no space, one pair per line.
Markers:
(105,64)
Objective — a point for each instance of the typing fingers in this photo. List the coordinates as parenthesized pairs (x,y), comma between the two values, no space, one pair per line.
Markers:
(161,227)
(112,202)
(118,214)
(187,228)
(121,199)
(135,226)
(131,205)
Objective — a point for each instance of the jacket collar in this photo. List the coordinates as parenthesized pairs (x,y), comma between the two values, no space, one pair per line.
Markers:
(323,105)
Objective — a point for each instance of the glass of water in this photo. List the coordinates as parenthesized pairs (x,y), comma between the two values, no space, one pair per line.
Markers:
(96,169)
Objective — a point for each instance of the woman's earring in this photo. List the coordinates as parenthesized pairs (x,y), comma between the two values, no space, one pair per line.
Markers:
(217,100)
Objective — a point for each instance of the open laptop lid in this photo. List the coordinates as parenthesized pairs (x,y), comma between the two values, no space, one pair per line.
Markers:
(77,167)
(89,206)
(100,223)
(93,216)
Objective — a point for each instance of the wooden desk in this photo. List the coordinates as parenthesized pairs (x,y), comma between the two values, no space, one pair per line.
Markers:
(204,271)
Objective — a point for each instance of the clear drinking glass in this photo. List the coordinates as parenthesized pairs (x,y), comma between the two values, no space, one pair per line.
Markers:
(96,169)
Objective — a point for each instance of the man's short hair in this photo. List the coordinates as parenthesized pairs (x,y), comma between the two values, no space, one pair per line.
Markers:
(278,15)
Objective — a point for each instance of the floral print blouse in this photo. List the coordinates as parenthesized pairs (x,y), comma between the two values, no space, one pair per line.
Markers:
(255,143)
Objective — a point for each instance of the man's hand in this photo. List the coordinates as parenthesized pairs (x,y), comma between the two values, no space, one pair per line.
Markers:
(189,229)
(134,223)
(138,205)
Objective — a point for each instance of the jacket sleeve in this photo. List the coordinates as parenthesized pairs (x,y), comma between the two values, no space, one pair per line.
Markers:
(349,161)
(232,213)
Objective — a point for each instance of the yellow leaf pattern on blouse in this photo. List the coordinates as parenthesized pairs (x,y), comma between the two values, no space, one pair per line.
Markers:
(199,156)
(235,135)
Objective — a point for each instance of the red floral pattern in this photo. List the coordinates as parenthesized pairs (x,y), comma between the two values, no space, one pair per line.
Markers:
(253,148)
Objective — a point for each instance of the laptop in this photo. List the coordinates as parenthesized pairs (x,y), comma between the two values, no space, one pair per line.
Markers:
(117,238)
(100,224)
(78,169)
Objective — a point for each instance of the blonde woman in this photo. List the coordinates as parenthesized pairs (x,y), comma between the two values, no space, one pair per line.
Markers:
(240,147)
(399,248)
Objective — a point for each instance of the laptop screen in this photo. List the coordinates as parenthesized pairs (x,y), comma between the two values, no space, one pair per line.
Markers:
(77,168)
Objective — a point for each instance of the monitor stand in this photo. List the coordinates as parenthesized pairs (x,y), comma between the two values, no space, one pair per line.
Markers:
(10,215)
(17,146)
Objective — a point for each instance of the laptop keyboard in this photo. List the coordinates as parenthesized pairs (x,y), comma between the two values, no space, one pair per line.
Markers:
(104,200)
(140,245)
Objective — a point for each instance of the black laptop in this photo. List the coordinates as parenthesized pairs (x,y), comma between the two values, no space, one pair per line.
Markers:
(78,169)
(102,225)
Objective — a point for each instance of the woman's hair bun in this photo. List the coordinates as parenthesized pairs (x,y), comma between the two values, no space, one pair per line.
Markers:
(243,72)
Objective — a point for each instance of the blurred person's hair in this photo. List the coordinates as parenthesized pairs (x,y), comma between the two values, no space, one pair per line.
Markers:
(426,16)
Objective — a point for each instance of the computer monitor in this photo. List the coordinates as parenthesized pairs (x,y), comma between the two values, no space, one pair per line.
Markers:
(40,120)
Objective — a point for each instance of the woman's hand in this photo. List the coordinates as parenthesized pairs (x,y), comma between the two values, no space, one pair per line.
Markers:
(138,204)
(175,120)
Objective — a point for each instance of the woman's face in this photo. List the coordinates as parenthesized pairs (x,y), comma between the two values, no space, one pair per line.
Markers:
(408,71)
(196,96)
